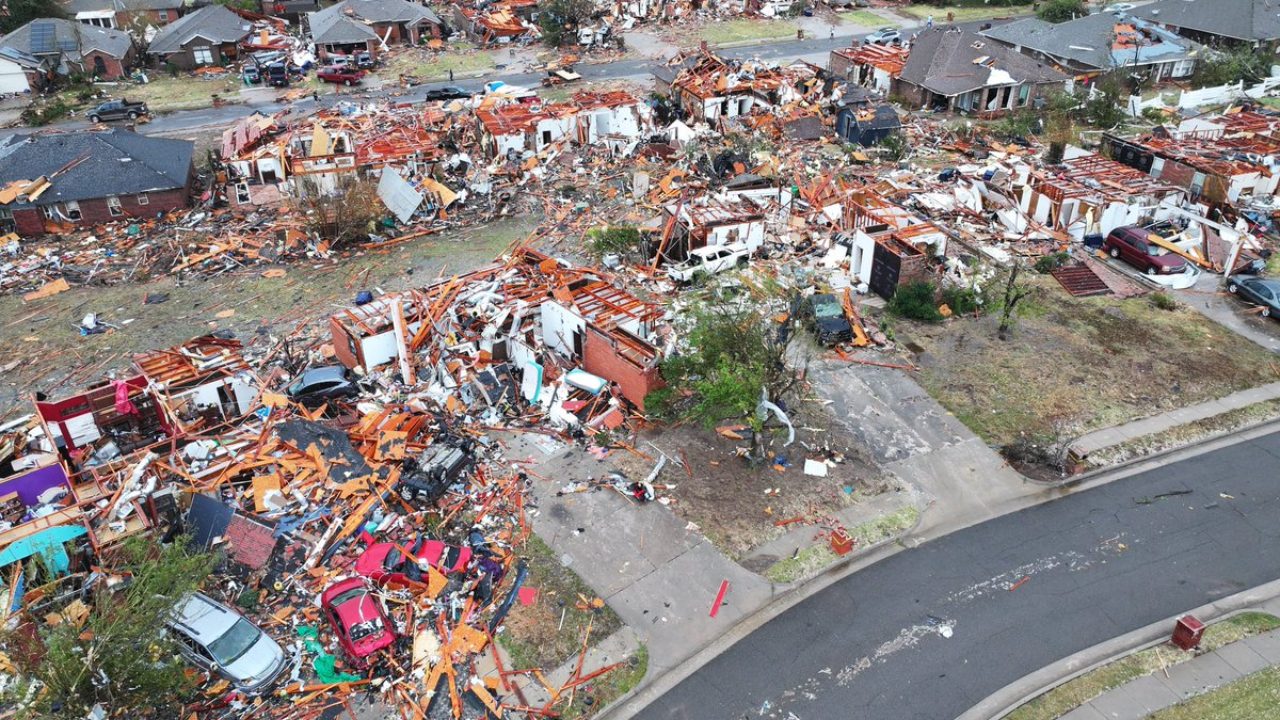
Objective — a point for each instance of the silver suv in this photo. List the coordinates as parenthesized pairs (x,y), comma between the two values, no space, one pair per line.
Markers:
(215,637)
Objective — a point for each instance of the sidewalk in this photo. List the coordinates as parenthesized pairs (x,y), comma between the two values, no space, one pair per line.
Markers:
(1109,437)
(1139,698)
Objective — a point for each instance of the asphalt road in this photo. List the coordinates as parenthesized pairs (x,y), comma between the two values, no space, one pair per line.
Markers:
(813,50)
(1098,564)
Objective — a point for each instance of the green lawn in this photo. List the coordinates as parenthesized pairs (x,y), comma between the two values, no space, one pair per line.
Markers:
(961,13)
(425,64)
(1253,698)
(730,31)
(1070,695)
(867,19)
(815,557)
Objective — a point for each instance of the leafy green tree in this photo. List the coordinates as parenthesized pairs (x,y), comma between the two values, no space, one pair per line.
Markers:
(614,239)
(1224,67)
(559,20)
(22,12)
(737,351)
(116,656)
(1058,11)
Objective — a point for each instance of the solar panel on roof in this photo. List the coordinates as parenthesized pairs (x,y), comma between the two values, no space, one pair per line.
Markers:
(42,37)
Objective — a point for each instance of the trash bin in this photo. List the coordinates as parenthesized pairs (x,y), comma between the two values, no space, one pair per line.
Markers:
(1187,632)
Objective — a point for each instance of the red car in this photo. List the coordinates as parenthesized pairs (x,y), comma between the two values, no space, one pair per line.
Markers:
(344,75)
(358,619)
(385,563)
(1133,245)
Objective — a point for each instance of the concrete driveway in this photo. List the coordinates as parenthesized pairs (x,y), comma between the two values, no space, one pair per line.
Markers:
(1210,298)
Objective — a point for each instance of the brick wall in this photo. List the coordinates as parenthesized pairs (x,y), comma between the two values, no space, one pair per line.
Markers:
(30,222)
(914,94)
(840,65)
(600,358)
(114,67)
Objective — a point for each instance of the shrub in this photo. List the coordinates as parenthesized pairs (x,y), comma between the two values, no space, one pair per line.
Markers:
(1048,263)
(916,301)
(1164,300)
(961,300)
(620,240)
(1058,11)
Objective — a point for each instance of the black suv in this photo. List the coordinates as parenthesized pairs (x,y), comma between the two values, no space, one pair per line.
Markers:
(428,476)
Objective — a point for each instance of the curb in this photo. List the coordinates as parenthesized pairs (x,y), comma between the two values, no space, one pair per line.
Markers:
(1012,696)
(794,594)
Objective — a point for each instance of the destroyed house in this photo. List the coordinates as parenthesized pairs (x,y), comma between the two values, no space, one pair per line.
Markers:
(510,130)
(1216,22)
(208,36)
(867,126)
(1101,43)
(1090,195)
(707,88)
(496,23)
(201,383)
(52,181)
(885,245)
(509,313)
(366,25)
(1221,170)
(72,47)
(870,66)
(956,70)
(709,221)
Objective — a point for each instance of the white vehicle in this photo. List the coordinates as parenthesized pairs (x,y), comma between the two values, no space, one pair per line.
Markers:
(1119,7)
(710,260)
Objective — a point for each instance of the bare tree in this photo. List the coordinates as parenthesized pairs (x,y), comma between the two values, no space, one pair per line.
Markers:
(341,215)
(1018,295)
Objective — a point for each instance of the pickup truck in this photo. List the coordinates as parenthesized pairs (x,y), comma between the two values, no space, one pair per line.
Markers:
(118,110)
(707,261)
(344,75)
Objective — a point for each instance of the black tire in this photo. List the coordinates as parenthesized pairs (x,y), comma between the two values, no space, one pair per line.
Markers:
(95,119)
(347,83)
(133,115)
(741,262)
(1153,270)
(1115,253)
(1266,311)
(407,493)
(1233,288)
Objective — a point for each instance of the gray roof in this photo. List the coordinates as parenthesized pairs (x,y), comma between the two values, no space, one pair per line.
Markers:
(79,6)
(1239,19)
(214,23)
(53,36)
(328,26)
(95,164)
(17,56)
(1088,42)
(950,62)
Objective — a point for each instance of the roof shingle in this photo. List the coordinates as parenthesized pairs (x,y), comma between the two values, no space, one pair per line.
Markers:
(95,164)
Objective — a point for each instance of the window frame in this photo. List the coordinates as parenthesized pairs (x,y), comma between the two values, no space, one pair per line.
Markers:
(142,198)
(203,50)
(114,206)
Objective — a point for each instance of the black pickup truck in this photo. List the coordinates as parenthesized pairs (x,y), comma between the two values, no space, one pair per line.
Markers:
(118,110)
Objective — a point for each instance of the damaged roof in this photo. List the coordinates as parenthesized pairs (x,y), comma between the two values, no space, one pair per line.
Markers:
(1102,41)
(1239,19)
(340,22)
(952,62)
(214,23)
(52,36)
(86,165)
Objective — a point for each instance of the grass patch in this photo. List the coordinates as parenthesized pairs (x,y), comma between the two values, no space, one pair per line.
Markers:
(868,19)
(1070,695)
(809,561)
(424,64)
(730,31)
(962,13)
(182,92)
(534,635)
(599,693)
(1226,422)
(1253,698)
(1113,361)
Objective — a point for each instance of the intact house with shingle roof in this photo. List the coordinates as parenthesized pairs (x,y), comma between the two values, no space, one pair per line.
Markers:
(90,177)
(1102,43)
(957,70)
(1218,22)
(367,25)
(205,37)
(73,47)
(132,16)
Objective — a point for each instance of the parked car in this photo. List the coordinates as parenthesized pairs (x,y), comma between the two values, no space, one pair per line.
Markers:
(1119,7)
(365,61)
(337,61)
(215,637)
(1263,292)
(251,74)
(825,316)
(708,261)
(387,564)
(343,75)
(278,74)
(883,36)
(118,110)
(358,619)
(449,92)
(316,386)
(1133,245)
(427,477)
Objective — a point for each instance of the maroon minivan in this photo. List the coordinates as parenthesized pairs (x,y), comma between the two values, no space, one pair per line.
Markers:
(1133,245)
